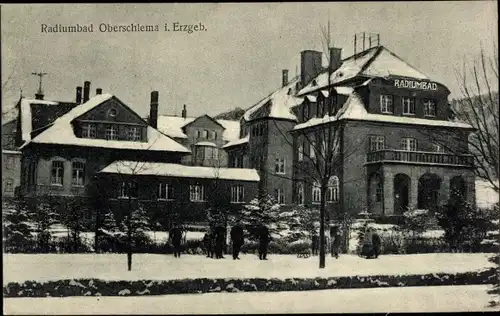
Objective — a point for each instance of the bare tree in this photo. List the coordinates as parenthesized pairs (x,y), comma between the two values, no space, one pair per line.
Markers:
(478,107)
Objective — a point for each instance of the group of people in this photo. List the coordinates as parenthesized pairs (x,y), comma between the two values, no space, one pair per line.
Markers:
(335,240)
(371,244)
(215,241)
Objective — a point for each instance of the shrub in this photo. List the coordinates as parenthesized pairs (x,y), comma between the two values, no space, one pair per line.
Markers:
(299,247)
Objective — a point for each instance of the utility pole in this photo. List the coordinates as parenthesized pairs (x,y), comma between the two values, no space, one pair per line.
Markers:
(39,94)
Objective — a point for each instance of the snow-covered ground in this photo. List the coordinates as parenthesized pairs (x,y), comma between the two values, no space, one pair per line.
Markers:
(43,267)
(380,300)
(485,195)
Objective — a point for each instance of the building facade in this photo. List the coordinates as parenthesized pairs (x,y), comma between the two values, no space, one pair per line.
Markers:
(71,156)
(371,130)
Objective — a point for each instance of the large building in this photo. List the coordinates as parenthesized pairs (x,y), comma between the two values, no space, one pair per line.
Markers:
(384,129)
(100,150)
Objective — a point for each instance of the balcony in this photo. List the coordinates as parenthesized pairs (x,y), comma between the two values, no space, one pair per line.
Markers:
(419,157)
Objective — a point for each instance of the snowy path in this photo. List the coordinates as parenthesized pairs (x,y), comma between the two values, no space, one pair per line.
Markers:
(43,267)
(381,300)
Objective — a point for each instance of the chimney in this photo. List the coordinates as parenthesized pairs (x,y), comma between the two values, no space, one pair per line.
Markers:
(39,96)
(78,95)
(98,91)
(310,66)
(86,91)
(184,112)
(284,77)
(153,110)
(335,58)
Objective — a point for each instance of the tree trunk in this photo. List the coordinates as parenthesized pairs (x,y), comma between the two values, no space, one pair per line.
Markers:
(129,234)
(322,212)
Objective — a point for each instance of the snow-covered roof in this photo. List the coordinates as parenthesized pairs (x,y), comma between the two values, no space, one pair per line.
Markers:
(61,132)
(237,142)
(354,109)
(232,129)
(181,171)
(374,62)
(172,126)
(26,119)
(209,144)
(281,103)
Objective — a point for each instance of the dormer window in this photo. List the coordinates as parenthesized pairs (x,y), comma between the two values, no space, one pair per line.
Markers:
(214,135)
(134,133)
(204,134)
(89,131)
(386,103)
(289,91)
(430,108)
(111,132)
(408,105)
(314,83)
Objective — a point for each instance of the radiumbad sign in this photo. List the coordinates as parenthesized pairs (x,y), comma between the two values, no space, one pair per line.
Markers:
(412,84)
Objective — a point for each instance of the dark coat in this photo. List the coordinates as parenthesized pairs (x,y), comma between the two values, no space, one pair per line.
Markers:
(376,240)
(237,235)
(175,235)
(220,233)
(264,235)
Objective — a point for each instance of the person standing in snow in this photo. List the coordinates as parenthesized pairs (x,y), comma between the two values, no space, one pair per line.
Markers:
(207,243)
(336,238)
(220,234)
(237,238)
(314,244)
(376,242)
(264,239)
(175,237)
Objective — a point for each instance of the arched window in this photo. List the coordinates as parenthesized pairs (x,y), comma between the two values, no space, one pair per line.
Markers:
(333,189)
(300,193)
(316,193)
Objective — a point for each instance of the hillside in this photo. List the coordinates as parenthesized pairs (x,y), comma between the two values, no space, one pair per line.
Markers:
(233,115)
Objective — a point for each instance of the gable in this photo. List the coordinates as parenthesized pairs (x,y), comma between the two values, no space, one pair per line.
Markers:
(43,115)
(112,110)
(204,121)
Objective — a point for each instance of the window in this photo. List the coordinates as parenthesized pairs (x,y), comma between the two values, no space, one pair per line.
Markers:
(301,151)
(112,112)
(430,108)
(128,190)
(312,150)
(215,153)
(214,135)
(316,193)
(279,166)
(333,189)
(78,173)
(238,161)
(111,132)
(57,172)
(237,194)
(408,105)
(300,193)
(198,134)
(409,144)
(378,192)
(386,103)
(165,191)
(204,134)
(9,185)
(377,143)
(196,193)
(10,162)
(280,196)
(437,148)
(305,110)
(134,133)
(89,131)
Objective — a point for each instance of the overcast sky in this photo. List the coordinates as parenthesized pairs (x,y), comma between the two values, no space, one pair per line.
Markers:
(237,61)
